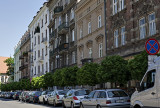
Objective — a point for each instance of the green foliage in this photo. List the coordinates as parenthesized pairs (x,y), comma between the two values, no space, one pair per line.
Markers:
(87,74)
(58,78)
(138,66)
(69,76)
(113,69)
(10,63)
(48,80)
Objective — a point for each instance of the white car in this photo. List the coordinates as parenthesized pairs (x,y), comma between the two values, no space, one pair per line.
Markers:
(73,97)
(44,97)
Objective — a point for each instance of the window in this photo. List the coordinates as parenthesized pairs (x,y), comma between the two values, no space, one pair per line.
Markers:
(121,5)
(32,34)
(116,38)
(55,22)
(42,37)
(73,58)
(66,38)
(72,13)
(46,50)
(99,21)
(123,36)
(42,68)
(38,69)
(46,18)
(142,28)
(42,23)
(100,50)
(60,20)
(73,35)
(35,41)
(38,39)
(46,66)
(67,60)
(35,71)
(42,53)
(115,2)
(98,1)
(90,52)
(80,33)
(82,55)
(46,34)
(35,56)
(51,14)
(66,18)
(102,94)
(149,80)
(38,53)
(152,24)
(91,94)
(89,27)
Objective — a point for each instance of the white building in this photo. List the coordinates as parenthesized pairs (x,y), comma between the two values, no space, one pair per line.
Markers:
(40,42)
(17,73)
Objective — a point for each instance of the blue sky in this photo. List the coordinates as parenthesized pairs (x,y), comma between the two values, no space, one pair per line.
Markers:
(15,16)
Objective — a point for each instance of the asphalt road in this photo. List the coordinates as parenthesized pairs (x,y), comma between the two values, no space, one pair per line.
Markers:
(9,103)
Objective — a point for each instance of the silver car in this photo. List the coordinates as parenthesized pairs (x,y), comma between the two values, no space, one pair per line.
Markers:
(110,98)
(44,97)
(56,97)
(73,98)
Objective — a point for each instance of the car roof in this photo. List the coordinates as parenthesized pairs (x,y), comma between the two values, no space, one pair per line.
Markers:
(110,90)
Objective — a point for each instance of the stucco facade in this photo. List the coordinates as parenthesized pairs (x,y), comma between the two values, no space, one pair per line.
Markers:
(40,42)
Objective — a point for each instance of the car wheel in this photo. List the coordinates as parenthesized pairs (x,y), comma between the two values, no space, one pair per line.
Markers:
(99,106)
(81,105)
(72,105)
(54,103)
(43,101)
(137,106)
(63,104)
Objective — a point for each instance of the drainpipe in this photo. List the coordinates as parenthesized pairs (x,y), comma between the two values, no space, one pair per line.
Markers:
(105,25)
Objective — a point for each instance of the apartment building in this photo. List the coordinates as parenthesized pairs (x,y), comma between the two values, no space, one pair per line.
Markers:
(17,73)
(40,42)
(25,56)
(130,23)
(90,29)
(63,43)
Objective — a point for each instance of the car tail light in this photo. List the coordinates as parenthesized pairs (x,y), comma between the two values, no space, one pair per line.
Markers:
(75,98)
(57,96)
(16,94)
(35,96)
(108,102)
(128,100)
(26,96)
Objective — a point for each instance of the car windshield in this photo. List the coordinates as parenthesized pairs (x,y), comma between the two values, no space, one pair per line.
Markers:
(112,94)
(62,92)
(81,92)
(49,92)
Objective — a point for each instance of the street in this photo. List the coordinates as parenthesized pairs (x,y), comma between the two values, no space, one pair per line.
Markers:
(9,103)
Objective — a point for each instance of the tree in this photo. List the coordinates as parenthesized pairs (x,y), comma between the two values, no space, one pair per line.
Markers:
(57,76)
(87,74)
(69,76)
(113,69)
(138,66)
(48,80)
(10,63)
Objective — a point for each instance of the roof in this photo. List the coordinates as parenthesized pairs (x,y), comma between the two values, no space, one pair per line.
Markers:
(3,67)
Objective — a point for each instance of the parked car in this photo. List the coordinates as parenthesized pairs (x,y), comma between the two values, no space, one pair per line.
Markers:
(44,97)
(73,97)
(56,97)
(21,96)
(109,98)
(27,96)
(34,96)
(16,95)
(9,95)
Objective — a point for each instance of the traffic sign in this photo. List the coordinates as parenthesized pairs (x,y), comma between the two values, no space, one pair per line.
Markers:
(152,46)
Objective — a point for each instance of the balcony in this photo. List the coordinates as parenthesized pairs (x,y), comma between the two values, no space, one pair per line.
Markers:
(87,60)
(25,53)
(37,30)
(41,59)
(63,46)
(44,40)
(51,36)
(21,57)
(63,28)
(58,9)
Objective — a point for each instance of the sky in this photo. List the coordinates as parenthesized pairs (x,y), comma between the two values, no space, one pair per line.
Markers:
(15,16)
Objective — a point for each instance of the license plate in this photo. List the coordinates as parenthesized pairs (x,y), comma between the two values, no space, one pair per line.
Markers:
(120,101)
